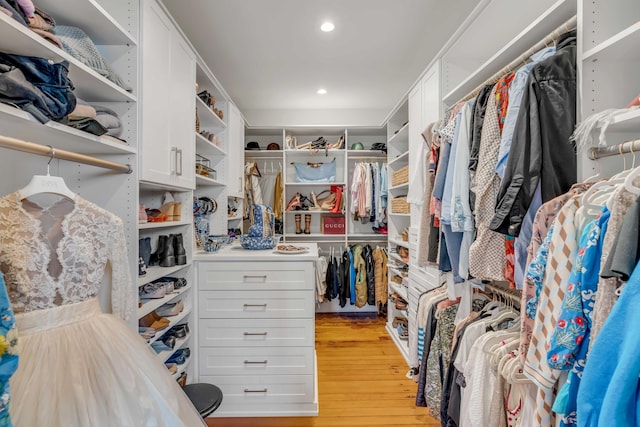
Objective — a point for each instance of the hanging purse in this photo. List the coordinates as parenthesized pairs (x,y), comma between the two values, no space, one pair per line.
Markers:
(315,172)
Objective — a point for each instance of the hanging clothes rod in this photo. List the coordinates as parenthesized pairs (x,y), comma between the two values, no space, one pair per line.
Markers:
(47,151)
(505,293)
(596,153)
(522,59)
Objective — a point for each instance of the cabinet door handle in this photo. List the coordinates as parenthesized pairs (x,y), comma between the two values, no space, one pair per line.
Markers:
(249,362)
(256,305)
(247,334)
(174,151)
(264,276)
(248,390)
(179,163)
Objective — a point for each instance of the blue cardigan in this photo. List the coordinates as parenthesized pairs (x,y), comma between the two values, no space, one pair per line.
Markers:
(608,394)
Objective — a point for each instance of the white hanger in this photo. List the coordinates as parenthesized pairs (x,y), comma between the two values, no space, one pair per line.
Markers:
(47,184)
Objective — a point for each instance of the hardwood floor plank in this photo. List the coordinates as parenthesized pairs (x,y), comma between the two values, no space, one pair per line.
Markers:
(361,380)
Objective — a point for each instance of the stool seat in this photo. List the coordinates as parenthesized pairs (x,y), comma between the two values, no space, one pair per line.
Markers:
(206,398)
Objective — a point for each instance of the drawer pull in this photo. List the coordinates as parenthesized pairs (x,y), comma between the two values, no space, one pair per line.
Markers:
(249,362)
(264,277)
(255,333)
(248,390)
(256,305)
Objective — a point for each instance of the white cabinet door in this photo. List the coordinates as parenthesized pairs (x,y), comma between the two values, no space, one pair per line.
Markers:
(168,102)
(235,150)
(157,157)
(182,134)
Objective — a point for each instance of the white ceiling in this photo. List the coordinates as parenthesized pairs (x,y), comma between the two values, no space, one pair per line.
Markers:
(271,57)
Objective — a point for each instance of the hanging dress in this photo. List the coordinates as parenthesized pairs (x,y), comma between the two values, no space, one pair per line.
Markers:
(79,366)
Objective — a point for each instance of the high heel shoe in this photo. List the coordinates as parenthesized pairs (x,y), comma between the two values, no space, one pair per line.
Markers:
(168,205)
(294,202)
(337,189)
(338,144)
(325,203)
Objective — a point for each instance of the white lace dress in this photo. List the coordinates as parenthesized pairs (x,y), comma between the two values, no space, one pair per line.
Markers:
(79,367)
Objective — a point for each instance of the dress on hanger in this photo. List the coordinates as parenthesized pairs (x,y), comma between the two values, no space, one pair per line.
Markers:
(81,366)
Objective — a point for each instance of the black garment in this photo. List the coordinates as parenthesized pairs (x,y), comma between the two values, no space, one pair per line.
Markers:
(541,150)
(429,333)
(335,288)
(367,255)
(477,120)
(329,280)
(434,241)
(625,252)
(345,291)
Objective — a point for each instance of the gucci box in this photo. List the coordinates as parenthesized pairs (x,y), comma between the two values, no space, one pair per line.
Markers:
(333,224)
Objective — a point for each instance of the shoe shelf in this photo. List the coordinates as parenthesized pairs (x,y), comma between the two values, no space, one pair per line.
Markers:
(397,258)
(400,290)
(208,119)
(18,39)
(263,154)
(402,133)
(399,242)
(152,304)
(311,212)
(164,224)
(182,368)
(315,236)
(23,125)
(165,355)
(154,273)
(403,345)
(174,320)
(208,182)
(402,158)
(400,214)
(206,148)
(404,186)
(368,236)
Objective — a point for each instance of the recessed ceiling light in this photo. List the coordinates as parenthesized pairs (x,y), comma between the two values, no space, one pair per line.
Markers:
(322,91)
(327,26)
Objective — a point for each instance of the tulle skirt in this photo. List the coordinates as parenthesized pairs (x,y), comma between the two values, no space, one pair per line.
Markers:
(79,367)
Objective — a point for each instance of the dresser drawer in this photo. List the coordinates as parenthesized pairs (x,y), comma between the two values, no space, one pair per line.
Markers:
(250,390)
(255,276)
(256,361)
(256,332)
(255,304)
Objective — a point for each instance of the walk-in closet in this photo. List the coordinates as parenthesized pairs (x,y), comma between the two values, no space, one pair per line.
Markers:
(279,213)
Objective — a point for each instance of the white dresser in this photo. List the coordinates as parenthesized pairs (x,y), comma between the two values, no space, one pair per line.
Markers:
(256,330)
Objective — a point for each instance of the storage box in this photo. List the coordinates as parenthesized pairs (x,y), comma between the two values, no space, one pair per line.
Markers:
(399,177)
(333,224)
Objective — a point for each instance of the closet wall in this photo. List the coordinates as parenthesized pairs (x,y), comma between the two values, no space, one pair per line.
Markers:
(114,28)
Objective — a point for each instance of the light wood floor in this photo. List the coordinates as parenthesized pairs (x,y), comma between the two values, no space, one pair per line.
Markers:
(361,380)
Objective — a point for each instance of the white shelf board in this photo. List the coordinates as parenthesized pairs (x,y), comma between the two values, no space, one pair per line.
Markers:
(205,148)
(620,47)
(315,235)
(208,182)
(91,17)
(234,218)
(402,133)
(89,85)
(402,158)
(628,121)
(165,224)
(268,154)
(404,186)
(547,22)
(366,154)
(149,305)
(311,212)
(208,119)
(154,273)
(403,345)
(372,236)
(399,242)
(396,257)
(155,186)
(22,125)
(407,215)
(173,321)
(399,289)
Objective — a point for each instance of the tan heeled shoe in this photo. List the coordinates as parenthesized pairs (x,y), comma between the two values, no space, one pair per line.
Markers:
(324,203)
(168,205)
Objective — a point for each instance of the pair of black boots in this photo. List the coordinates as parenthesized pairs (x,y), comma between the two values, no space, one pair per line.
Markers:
(170,251)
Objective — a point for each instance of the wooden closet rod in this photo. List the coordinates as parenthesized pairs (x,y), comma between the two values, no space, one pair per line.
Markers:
(47,151)
(596,153)
(522,59)
(504,292)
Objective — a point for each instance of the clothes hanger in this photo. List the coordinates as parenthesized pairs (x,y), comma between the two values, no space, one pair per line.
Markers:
(47,184)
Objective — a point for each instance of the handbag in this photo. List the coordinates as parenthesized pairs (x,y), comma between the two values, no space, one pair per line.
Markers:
(315,172)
